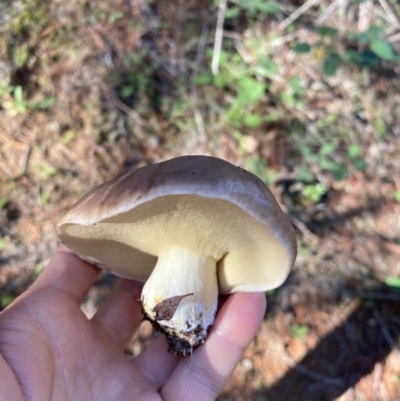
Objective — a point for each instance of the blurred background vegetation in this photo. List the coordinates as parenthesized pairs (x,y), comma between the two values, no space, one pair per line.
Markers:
(305,94)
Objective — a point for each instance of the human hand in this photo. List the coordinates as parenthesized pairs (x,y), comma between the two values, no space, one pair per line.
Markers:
(49,350)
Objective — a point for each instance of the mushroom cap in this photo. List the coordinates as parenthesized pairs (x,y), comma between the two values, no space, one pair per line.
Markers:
(200,203)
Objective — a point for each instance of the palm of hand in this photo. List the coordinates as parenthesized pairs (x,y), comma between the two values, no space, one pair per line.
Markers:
(49,350)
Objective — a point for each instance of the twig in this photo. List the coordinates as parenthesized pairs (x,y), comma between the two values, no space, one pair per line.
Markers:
(218,37)
(328,12)
(385,331)
(276,42)
(342,14)
(131,113)
(365,16)
(123,107)
(394,38)
(380,391)
(304,229)
(198,117)
(201,45)
(373,295)
(297,13)
(308,372)
(25,158)
(392,247)
(391,15)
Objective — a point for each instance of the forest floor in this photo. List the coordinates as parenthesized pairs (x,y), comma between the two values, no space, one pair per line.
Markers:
(303,94)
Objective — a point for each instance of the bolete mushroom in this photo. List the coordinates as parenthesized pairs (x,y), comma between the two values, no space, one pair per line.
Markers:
(190,228)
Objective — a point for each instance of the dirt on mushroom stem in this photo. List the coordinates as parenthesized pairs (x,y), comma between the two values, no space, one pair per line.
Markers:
(177,345)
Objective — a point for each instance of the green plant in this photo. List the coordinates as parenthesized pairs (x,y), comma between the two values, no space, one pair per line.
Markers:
(44,197)
(299,331)
(3,201)
(325,159)
(293,95)
(3,243)
(39,268)
(17,104)
(365,49)
(314,192)
(115,16)
(252,8)
(393,283)
(138,87)
(46,171)
(5,300)
(248,82)
(258,165)
(354,154)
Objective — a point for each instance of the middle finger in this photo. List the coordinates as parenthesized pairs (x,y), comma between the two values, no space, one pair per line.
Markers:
(120,314)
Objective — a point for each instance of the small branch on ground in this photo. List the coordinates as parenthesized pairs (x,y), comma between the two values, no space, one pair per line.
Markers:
(218,37)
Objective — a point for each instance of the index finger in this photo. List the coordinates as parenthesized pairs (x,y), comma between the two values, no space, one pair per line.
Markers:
(68,273)
(202,376)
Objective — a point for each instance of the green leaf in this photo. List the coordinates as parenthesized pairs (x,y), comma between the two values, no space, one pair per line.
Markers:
(396,58)
(397,196)
(3,201)
(382,48)
(353,151)
(299,331)
(374,31)
(267,68)
(306,151)
(314,192)
(273,116)
(268,7)
(297,85)
(252,120)
(6,299)
(363,59)
(359,163)
(327,149)
(68,137)
(362,37)
(232,12)
(115,16)
(331,64)
(46,103)
(305,175)
(203,79)
(46,171)
(254,6)
(301,47)
(219,81)
(126,91)
(327,164)
(326,31)
(338,169)
(18,94)
(393,282)
(288,98)
(250,90)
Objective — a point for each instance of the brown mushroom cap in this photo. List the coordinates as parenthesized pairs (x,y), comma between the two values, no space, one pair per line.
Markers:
(200,203)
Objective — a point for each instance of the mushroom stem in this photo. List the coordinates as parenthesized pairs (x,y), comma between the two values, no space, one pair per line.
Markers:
(180,298)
